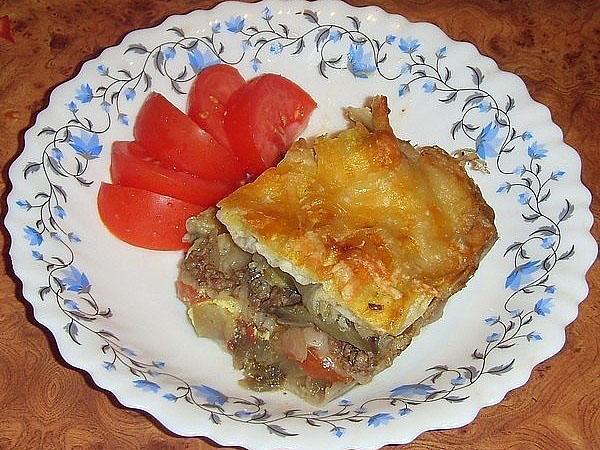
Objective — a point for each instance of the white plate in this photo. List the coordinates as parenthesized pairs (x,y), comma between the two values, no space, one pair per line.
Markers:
(112,307)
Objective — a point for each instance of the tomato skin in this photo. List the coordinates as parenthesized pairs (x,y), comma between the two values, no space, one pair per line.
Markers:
(188,294)
(130,166)
(313,366)
(171,137)
(210,93)
(264,117)
(143,218)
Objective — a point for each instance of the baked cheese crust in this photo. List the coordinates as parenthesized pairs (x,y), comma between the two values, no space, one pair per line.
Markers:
(381,227)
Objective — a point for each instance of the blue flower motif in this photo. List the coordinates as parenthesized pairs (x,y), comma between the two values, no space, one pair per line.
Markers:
(484,106)
(211,395)
(404,89)
(70,304)
(123,118)
(266,14)
(109,365)
(170,397)
(72,107)
(235,24)
(359,62)
(526,136)
(73,237)
(493,337)
(441,52)
(521,274)
(37,255)
(411,389)
(504,187)
(338,431)
(102,69)
(105,106)
(404,411)
(129,94)
(56,154)
(34,236)
(547,242)
(536,151)
(158,364)
(335,35)
(458,381)
(86,145)
(147,386)
(487,141)
(379,419)
(543,306)
(557,174)
(216,27)
(550,289)
(534,336)
(169,53)
(429,86)
(516,313)
(59,211)
(408,45)
(344,402)
(390,39)
(255,64)
(84,93)
(520,170)
(405,68)
(23,204)
(246,44)
(196,59)
(199,60)
(493,320)
(276,48)
(524,198)
(128,351)
(77,281)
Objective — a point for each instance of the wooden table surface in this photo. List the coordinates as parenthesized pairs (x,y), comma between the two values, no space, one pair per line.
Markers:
(554,46)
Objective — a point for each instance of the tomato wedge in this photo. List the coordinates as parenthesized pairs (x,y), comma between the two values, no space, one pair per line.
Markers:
(130,166)
(178,142)
(313,366)
(143,218)
(264,117)
(210,93)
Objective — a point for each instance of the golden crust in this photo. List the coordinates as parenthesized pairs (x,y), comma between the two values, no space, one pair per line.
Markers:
(383,227)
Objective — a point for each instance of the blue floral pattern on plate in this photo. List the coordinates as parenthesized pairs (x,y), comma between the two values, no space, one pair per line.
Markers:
(485,120)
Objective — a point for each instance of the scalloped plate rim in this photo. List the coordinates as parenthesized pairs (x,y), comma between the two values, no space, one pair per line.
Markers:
(214,433)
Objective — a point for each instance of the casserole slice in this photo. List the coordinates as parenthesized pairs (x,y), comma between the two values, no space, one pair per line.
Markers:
(319,273)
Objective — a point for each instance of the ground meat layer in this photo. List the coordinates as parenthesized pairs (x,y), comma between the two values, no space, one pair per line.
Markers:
(215,266)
